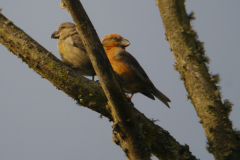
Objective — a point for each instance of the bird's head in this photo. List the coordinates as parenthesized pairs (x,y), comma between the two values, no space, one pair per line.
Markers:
(114,40)
(63,28)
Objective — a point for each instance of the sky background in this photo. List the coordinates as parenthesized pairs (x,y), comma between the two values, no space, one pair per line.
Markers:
(38,122)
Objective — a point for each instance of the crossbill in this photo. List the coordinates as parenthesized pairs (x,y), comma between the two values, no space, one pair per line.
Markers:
(134,78)
(72,50)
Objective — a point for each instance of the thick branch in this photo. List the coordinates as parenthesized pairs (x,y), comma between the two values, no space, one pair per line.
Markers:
(132,141)
(190,62)
(87,93)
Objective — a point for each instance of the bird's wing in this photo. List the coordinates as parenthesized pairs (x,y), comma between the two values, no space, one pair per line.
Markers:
(133,65)
(76,41)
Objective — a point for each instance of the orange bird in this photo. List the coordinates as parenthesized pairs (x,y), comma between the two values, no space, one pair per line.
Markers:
(134,78)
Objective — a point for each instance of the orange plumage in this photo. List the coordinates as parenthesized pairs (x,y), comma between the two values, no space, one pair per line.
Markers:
(126,67)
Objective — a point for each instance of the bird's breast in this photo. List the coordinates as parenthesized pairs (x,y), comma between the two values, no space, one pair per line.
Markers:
(119,67)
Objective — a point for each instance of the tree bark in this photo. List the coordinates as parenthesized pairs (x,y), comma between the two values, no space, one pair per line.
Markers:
(201,86)
(125,122)
(86,92)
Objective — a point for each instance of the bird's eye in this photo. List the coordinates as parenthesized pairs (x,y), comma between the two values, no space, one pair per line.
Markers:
(115,39)
(62,27)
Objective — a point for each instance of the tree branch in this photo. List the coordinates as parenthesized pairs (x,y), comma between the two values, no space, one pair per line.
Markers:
(125,122)
(87,93)
(200,85)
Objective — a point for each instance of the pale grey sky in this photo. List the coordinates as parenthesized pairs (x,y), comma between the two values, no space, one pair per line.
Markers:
(38,122)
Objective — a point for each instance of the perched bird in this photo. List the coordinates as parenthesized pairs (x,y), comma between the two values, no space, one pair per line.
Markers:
(134,78)
(72,50)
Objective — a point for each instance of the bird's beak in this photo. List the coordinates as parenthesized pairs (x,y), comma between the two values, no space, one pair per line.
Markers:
(55,35)
(124,43)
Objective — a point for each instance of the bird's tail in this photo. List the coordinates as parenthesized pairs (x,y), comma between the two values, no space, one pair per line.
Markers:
(161,97)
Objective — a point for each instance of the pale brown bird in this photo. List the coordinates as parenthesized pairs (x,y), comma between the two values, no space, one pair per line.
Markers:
(72,50)
(129,70)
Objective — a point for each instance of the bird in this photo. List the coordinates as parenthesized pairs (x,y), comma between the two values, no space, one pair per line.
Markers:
(134,78)
(72,50)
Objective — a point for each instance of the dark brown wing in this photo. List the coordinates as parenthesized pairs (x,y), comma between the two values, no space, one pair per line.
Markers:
(133,65)
(77,41)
